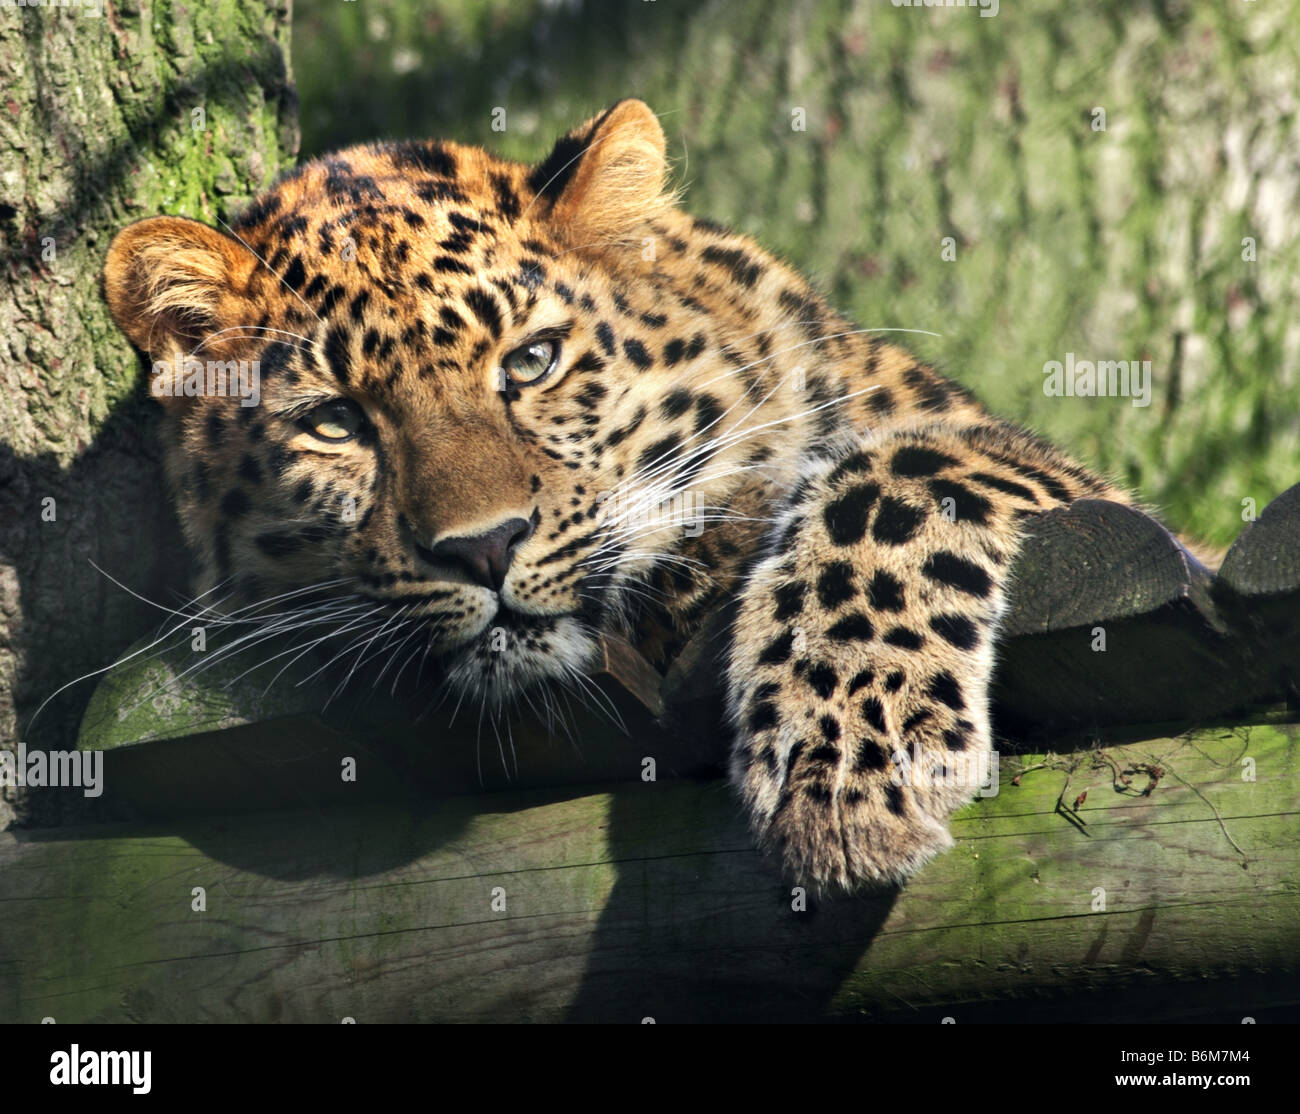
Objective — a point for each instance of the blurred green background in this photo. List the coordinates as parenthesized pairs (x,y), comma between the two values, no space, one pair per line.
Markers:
(1116,242)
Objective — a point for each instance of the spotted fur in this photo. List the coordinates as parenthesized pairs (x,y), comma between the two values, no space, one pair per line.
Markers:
(711,427)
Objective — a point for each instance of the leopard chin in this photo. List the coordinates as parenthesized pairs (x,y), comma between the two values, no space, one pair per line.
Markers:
(514,653)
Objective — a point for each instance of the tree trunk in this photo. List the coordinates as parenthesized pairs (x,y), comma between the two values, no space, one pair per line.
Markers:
(112,112)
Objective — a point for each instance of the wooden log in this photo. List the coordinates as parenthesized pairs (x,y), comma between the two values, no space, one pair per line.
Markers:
(1070,895)
(240,736)
(1258,589)
(1110,622)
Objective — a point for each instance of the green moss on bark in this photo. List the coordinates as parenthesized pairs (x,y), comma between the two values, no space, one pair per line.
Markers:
(98,128)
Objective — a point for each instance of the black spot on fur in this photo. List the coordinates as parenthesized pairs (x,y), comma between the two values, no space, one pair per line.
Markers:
(916,719)
(945,689)
(956,629)
(1007,487)
(853,464)
(762,716)
(743,269)
(957,572)
(635,351)
(894,799)
(676,404)
(447,265)
(825,755)
(852,628)
(789,600)
(904,639)
(296,275)
(590,396)
(663,453)
(278,545)
(236,503)
(932,392)
(485,308)
(506,198)
(955,739)
(822,678)
(835,585)
(871,755)
(896,522)
(895,680)
(778,650)
(861,680)
(260,210)
(708,411)
(881,402)
(428,156)
(885,592)
(968,506)
(874,713)
(336,354)
(915,460)
(673,352)
(605,335)
(846,517)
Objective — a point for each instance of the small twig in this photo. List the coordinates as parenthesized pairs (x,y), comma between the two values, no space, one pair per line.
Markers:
(1154,772)
(1073,817)
(1119,781)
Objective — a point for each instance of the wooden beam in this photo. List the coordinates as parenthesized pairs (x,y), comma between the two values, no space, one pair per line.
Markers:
(1181,900)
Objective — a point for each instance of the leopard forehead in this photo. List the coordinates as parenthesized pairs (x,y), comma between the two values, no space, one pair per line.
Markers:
(407,262)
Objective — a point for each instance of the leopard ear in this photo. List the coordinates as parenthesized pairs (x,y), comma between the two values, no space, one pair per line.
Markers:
(170,282)
(605,179)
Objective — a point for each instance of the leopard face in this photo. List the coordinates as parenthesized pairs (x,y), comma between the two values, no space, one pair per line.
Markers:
(491,399)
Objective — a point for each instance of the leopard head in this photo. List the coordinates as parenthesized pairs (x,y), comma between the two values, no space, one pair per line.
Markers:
(483,402)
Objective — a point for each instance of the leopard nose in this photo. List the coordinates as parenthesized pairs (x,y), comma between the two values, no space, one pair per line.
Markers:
(485,557)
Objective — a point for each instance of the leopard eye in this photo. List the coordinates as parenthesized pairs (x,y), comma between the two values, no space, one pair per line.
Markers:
(336,420)
(531,363)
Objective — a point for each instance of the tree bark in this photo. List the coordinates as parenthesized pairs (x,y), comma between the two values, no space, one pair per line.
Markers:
(112,112)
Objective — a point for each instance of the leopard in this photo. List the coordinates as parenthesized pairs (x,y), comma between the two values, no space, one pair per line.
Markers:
(521,408)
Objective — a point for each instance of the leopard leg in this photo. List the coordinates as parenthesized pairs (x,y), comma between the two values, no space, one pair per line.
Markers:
(863,646)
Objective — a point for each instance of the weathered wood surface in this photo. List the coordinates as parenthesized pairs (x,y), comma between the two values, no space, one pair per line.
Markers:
(649,901)
(1111,622)
(1259,589)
